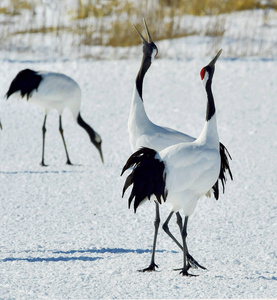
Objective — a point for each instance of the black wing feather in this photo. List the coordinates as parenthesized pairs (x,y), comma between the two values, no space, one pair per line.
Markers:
(225,166)
(147,177)
(26,81)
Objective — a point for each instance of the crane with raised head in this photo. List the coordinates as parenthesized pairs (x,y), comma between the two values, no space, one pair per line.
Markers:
(144,133)
(181,173)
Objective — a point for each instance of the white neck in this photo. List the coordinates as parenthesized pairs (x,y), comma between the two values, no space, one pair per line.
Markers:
(209,134)
(138,119)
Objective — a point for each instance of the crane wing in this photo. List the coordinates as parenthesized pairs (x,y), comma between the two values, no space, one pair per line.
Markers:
(147,177)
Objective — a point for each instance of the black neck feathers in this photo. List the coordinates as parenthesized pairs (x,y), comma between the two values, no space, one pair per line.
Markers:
(87,128)
(95,138)
(210,104)
(26,81)
(145,65)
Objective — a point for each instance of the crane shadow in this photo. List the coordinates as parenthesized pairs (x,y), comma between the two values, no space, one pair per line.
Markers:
(63,255)
(51,259)
(40,172)
(108,250)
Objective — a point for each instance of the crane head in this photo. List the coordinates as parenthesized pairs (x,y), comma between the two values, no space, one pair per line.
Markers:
(149,47)
(97,142)
(208,71)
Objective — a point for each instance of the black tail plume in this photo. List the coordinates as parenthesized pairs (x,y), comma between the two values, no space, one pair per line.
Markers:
(225,166)
(147,177)
(25,82)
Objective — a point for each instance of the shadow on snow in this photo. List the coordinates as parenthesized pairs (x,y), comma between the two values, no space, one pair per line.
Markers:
(40,172)
(77,258)
(108,250)
(51,259)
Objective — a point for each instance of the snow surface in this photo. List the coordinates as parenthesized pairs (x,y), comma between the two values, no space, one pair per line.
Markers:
(66,233)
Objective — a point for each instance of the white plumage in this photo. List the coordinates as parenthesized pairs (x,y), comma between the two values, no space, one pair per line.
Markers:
(192,169)
(143,132)
(57,91)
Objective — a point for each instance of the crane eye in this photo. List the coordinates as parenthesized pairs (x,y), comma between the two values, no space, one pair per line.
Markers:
(202,73)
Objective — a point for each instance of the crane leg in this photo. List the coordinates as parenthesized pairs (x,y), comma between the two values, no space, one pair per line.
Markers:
(186,265)
(166,229)
(43,141)
(152,265)
(192,262)
(61,132)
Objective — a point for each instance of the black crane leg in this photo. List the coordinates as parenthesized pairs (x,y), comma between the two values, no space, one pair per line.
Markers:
(192,262)
(61,132)
(166,229)
(152,265)
(43,141)
(190,259)
(186,265)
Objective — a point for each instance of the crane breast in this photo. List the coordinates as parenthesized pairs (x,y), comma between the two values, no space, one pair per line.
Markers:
(191,168)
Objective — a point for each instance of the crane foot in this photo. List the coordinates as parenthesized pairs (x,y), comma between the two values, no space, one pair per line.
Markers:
(152,267)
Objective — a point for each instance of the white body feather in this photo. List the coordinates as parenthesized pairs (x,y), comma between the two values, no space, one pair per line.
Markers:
(192,169)
(57,91)
(144,133)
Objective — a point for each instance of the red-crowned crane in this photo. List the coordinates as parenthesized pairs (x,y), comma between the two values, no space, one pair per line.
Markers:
(180,174)
(51,90)
(144,133)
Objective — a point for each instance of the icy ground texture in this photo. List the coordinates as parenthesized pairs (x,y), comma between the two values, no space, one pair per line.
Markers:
(66,232)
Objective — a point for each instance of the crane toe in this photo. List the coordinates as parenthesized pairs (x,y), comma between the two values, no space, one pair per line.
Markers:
(152,267)
(193,263)
(184,272)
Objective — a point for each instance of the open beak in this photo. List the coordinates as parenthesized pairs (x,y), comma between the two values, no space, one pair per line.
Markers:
(212,63)
(147,31)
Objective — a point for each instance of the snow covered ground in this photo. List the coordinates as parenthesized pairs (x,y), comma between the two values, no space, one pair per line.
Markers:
(66,233)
